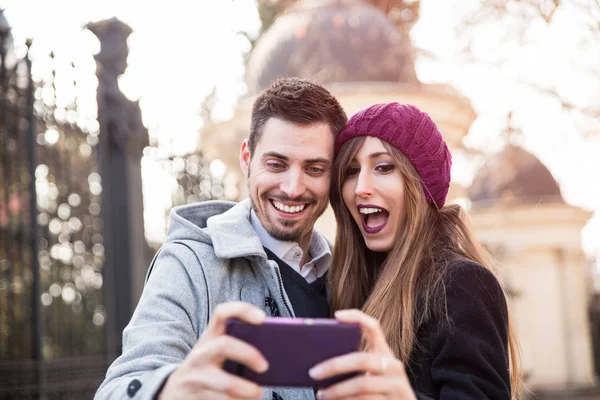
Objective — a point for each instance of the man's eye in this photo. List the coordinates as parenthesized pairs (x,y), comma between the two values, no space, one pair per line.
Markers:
(275,165)
(315,170)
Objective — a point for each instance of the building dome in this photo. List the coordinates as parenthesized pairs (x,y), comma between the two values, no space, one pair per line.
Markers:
(514,176)
(332,41)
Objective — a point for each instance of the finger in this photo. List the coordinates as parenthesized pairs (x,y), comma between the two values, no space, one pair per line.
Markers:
(211,394)
(368,397)
(356,362)
(237,309)
(221,348)
(370,327)
(366,386)
(216,380)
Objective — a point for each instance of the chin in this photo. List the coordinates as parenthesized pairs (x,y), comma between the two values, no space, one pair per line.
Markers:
(378,246)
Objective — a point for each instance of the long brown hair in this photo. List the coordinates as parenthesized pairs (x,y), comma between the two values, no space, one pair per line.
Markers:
(431,239)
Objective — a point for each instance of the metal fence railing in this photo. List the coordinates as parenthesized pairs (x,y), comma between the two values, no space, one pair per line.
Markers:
(51,255)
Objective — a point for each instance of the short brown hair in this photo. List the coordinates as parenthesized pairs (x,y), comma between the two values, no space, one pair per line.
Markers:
(298,101)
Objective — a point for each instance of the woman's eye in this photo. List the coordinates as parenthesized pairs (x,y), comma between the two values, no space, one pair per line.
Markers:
(351,171)
(385,168)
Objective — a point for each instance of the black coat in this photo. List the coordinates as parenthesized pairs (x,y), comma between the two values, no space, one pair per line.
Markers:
(464,356)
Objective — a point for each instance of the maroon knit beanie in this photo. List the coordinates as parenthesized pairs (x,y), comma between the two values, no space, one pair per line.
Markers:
(412,132)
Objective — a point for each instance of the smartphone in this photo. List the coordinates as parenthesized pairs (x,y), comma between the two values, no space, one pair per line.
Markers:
(292,346)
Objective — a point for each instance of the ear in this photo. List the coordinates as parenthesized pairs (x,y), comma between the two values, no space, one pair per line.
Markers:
(245,157)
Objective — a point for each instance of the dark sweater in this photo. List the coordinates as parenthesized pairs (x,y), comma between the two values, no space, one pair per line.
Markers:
(309,300)
(465,356)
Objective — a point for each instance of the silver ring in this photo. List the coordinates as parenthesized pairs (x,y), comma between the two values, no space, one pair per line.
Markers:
(383,364)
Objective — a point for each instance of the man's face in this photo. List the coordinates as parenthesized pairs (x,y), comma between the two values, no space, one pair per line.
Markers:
(289,175)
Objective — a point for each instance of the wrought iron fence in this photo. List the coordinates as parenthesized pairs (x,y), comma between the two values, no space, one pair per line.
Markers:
(197,181)
(52,315)
(59,321)
(17,223)
(193,178)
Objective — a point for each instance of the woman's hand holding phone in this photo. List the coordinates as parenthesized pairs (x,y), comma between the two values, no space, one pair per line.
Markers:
(385,376)
(201,374)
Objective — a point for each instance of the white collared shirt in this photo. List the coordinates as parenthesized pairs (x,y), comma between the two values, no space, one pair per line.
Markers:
(291,253)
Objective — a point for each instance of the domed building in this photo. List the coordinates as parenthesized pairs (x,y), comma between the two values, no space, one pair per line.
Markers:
(331,42)
(518,212)
(354,50)
(514,176)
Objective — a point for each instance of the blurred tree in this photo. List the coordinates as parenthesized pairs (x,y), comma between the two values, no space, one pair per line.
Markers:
(207,106)
(522,16)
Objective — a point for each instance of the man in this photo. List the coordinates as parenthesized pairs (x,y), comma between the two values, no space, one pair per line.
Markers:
(223,260)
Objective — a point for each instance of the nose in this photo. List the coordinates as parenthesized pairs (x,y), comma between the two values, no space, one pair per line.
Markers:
(293,183)
(364,186)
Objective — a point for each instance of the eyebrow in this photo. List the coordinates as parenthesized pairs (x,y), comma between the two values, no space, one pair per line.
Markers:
(379,154)
(276,155)
(374,155)
(318,160)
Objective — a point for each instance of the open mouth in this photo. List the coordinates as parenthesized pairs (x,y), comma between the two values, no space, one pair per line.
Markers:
(289,209)
(373,218)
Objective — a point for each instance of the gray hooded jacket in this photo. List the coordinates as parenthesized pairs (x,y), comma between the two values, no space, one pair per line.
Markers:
(211,255)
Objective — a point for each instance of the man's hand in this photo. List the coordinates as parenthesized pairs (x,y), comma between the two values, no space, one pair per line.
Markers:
(201,374)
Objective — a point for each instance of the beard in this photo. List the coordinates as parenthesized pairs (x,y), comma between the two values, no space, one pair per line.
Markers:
(285,231)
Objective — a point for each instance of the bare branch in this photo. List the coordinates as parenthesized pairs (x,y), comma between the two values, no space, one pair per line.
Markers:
(524,12)
(207,106)
(546,10)
(588,112)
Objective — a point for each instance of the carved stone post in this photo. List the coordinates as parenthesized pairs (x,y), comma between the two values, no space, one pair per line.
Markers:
(122,140)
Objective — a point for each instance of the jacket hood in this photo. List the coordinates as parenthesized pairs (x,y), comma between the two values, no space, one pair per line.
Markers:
(223,224)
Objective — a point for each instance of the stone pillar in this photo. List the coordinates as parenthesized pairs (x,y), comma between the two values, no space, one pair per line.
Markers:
(122,140)
(538,251)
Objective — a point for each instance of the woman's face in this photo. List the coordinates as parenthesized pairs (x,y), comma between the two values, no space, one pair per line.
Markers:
(374,193)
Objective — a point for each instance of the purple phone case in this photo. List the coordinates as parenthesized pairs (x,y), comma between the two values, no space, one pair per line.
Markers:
(292,346)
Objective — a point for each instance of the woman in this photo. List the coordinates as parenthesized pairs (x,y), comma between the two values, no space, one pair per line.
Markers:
(409,261)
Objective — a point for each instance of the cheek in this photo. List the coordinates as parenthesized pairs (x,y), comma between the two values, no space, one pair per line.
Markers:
(264,181)
(401,207)
(348,194)
(350,200)
(321,187)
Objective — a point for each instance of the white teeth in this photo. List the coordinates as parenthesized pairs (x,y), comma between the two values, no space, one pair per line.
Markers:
(369,210)
(288,209)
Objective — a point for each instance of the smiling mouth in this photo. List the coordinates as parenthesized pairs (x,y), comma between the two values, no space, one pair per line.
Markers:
(287,209)
(373,218)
